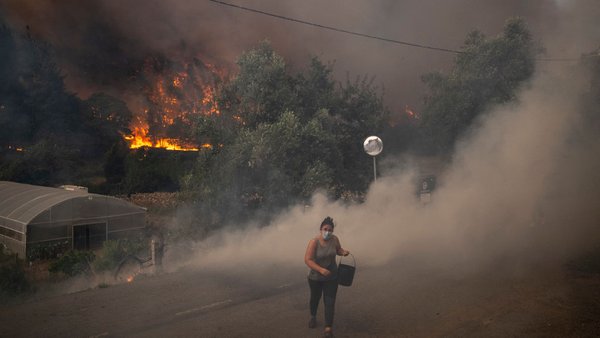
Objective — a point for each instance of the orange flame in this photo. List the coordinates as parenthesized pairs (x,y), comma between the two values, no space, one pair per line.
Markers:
(176,96)
(130,279)
(16,148)
(140,138)
(411,113)
(209,102)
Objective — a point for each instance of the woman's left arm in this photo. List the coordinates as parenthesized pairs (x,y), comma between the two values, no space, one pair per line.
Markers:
(339,250)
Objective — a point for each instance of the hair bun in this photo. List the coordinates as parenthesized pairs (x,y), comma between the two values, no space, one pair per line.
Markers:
(328,220)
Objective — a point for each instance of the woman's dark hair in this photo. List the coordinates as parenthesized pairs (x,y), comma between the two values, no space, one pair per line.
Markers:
(328,220)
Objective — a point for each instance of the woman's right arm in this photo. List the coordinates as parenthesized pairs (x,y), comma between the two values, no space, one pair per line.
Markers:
(309,258)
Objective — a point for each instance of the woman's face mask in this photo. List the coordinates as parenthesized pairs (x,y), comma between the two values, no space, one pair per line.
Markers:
(326,234)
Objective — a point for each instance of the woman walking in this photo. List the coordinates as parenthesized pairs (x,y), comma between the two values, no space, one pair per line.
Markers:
(322,278)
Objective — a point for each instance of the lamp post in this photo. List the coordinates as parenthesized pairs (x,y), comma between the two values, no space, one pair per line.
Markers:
(373,146)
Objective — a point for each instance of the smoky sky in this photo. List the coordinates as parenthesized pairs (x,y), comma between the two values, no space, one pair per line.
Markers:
(102,44)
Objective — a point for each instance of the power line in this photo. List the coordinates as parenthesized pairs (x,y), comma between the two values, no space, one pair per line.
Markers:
(337,29)
(405,43)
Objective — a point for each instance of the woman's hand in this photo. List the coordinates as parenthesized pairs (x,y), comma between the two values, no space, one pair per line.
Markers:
(325,272)
(345,253)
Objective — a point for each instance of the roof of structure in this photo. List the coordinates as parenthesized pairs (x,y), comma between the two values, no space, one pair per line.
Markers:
(21,203)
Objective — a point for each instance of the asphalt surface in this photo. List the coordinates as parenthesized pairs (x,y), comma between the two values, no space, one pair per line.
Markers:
(398,300)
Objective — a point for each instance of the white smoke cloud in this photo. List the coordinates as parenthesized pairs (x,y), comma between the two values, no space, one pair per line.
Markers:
(507,193)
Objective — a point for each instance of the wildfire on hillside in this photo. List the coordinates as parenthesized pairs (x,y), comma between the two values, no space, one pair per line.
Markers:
(16,148)
(407,116)
(139,138)
(174,94)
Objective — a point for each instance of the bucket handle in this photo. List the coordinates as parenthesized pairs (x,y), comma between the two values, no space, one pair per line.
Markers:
(353,259)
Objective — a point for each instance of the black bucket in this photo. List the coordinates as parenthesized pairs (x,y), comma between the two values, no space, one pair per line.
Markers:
(346,272)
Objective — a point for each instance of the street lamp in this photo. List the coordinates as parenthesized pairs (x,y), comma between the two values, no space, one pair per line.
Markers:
(373,146)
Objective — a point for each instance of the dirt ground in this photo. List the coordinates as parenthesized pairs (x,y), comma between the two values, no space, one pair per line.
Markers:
(585,307)
(419,302)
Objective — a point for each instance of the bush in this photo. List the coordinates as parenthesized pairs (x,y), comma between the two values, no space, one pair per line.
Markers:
(48,250)
(73,263)
(12,274)
(114,251)
(12,279)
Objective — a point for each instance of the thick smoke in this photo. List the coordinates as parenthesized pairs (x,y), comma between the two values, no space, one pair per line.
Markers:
(103,43)
(522,188)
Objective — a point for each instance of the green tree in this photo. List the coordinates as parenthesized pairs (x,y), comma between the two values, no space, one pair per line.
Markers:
(282,136)
(47,162)
(110,111)
(107,121)
(12,274)
(487,72)
(151,169)
(315,89)
(16,124)
(37,114)
(52,110)
(358,113)
(262,90)
(114,165)
(273,166)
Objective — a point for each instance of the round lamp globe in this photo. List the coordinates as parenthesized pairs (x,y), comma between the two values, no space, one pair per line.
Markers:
(373,145)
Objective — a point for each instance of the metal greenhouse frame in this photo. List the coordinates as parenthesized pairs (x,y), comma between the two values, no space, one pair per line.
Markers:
(39,221)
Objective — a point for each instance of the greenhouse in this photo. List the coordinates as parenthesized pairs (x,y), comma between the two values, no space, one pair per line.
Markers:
(37,222)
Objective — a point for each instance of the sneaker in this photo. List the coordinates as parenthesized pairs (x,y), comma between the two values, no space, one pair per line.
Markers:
(312,323)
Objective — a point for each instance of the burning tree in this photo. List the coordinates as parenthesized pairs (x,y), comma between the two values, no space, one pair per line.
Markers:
(174,94)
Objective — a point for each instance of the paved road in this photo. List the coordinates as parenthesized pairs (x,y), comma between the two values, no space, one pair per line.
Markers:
(398,300)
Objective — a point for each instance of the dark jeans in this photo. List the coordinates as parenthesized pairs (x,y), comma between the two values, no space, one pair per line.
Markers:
(328,289)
